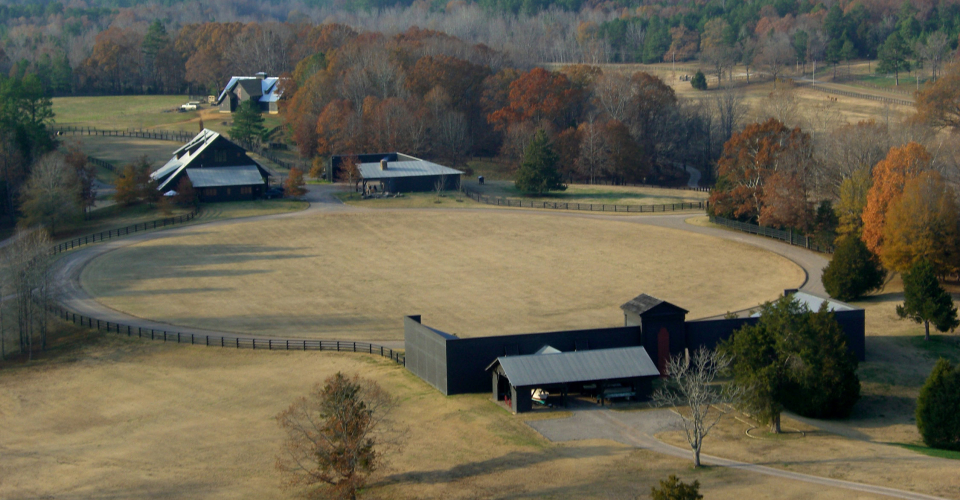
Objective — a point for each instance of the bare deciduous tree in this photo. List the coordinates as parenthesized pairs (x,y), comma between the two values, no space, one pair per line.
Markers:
(693,395)
(775,56)
(591,160)
(28,263)
(337,436)
(613,92)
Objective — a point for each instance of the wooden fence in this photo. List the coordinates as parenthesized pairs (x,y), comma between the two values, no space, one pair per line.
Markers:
(790,237)
(226,341)
(588,207)
(161,135)
(123,231)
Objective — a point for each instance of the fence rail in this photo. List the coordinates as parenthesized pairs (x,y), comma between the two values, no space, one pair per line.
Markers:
(796,239)
(226,341)
(586,207)
(123,231)
(857,95)
(101,163)
(162,135)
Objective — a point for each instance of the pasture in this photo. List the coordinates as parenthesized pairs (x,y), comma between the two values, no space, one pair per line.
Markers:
(593,193)
(116,417)
(472,273)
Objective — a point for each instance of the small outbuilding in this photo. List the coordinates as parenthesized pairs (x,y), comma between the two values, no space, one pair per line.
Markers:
(625,372)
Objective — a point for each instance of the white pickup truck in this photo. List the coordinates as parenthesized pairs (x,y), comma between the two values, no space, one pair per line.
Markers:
(190,106)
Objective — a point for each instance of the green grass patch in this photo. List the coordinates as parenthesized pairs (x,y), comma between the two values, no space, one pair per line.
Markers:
(122,112)
(115,216)
(408,200)
(594,194)
(932,452)
(907,82)
(939,346)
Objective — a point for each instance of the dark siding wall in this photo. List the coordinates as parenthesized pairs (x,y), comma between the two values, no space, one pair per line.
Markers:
(709,333)
(419,184)
(468,358)
(426,354)
(232,193)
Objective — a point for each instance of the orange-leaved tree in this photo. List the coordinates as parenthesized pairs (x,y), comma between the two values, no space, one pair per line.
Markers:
(939,103)
(538,95)
(923,225)
(295,185)
(889,177)
(749,159)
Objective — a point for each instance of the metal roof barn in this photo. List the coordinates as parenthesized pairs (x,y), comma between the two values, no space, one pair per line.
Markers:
(225,176)
(578,366)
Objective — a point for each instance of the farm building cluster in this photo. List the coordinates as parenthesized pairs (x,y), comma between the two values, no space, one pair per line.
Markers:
(263,90)
(601,363)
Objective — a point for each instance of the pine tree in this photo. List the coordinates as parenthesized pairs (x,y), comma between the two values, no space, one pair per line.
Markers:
(938,407)
(893,56)
(248,123)
(853,271)
(538,171)
(925,301)
(699,81)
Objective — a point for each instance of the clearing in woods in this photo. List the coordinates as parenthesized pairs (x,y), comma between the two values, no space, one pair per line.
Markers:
(122,418)
(476,273)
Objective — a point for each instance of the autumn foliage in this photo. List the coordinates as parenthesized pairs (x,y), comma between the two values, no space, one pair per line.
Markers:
(923,225)
(889,178)
(760,176)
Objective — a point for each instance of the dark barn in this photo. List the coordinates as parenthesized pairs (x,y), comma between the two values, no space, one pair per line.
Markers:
(618,364)
(398,173)
(218,169)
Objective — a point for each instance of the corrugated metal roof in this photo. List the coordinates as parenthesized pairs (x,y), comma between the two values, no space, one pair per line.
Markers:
(813,302)
(246,175)
(643,303)
(184,155)
(406,168)
(579,366)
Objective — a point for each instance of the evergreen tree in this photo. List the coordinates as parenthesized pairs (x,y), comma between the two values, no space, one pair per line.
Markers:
(796,359)
(925,301)
(538,171)
(853,271)
(699,81)
(893,56)
(248,123)
(674,489)
(938,407)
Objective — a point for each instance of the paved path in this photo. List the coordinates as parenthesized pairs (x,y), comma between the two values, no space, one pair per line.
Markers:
(638,428)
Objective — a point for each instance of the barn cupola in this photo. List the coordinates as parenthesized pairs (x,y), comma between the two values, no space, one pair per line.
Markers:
(383,164)
(261,75)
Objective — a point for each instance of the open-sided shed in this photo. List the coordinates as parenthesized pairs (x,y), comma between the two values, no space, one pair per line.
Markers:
(624,372)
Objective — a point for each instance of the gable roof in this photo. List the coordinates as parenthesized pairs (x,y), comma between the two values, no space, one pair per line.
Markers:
(578,366)
(184,155)
(268,89)
(643,304)
(246,175)
(407,167)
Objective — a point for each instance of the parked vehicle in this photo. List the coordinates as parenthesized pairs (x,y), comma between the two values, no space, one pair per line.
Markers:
(275,192)
(190,106)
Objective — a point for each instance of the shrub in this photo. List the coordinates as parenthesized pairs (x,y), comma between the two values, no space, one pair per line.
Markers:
(674,489)
(853,271)
(699,81)
(938,407)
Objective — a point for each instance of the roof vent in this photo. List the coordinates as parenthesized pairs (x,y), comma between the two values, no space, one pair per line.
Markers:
(383,164)
(261,75)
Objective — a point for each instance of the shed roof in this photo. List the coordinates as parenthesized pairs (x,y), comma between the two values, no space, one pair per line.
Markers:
(246,175)
(578,366)
(404,168)
(812,302)
(184,155)
(643,303)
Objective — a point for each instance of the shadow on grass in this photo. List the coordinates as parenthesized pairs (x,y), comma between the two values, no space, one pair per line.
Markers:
(511,461)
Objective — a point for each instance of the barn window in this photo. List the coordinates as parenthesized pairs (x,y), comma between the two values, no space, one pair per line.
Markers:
(220,156)
(228,191)
(209,192)
(246,190)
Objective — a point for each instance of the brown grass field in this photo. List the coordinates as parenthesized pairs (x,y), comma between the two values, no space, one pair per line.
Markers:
(123,150)
(122,418)
(354,276)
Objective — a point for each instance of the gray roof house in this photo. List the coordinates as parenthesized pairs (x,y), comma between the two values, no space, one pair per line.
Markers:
(400,173)
(262,89)
(218,169)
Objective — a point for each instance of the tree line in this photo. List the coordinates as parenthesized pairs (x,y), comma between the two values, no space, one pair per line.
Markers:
(159,47)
